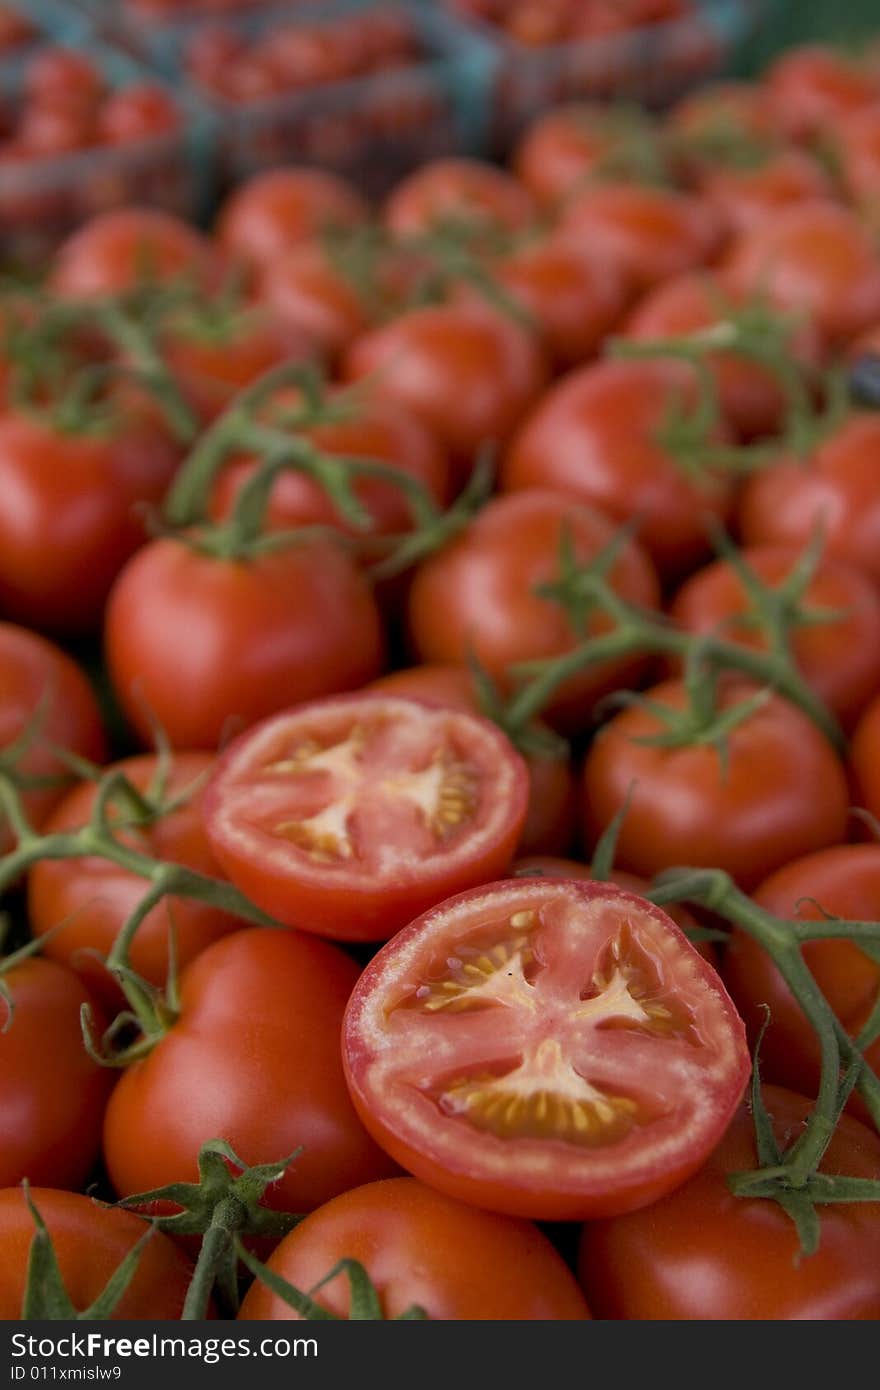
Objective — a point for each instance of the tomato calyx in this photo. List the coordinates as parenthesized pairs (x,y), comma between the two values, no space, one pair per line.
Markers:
(222,1207)
(366,1305)
(45,1296)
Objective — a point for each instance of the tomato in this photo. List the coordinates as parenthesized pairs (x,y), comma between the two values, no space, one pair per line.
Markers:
(253,1058)
(367,428)
(779,791)
(52,1095)
(566,145)
(644,232)
(80,905)
(348,817)
(311,296)
(479,595)
(749,196)
(549,825)
(856,143)
(815,259)
(278,209)
(595,438)
(207,645)
(422,1248)
(704,1254)
(117,250)
(573,298)
(545,1048)
(142,111)
(212,363)
(63,75)
(90,1243)
(69,515)
(839,658)
(715,122)
(842,882)
(463,194)
(864,756)
(468,371)
(750,394)
(42,688)
(836,490)
(810,87)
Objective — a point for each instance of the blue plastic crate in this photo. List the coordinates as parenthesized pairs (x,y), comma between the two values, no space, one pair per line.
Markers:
(42,199)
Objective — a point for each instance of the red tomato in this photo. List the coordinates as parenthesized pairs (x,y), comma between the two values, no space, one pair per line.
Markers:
(816,259)
(856,142)
(550,1049)
(207,645)
(563,147)
(90,1243)
(52,1095)
(117,250)
(837,489)
(644,232)
(779,792)
(348,817)
(278,209)
(839,658)
(92,898)
(419,1247)
(68,513)
(465,194)
(594,438)
(704,1254)
(46,129)
(58,74)
(572,296)
(750,394)
(716,121)
(41,687)
(142,111)
(371,429)
(469,372)
(841,882)
(478,594)
(282,996)
(211,365)
(809,88)
(748,197)
(549,825)
(311,296)
(864,756)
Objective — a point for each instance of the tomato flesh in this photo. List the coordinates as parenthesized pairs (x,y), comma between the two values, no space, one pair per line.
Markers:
(552,1049)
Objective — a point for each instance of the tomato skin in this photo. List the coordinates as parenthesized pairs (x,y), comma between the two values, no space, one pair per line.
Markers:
(592,438)
(814,258)
(749,197)
(704,1254)
(468,372)
(646,233)
(139,112)
(253,1058)
(864,759)
(114,250)
(549,825)
(750,395)
(478,595)
(38,677)
(312,298)
(845,882)
(52,1095)
(205,644)
(422,1248)
(784,792)
(211,371)
(466,193)
(857,147)
(68,515)
(836,489)
(90,1242)
(811,87)
(365,896)
(840,659)
(563,147)
(541,1176)
(283,207)
(94,898)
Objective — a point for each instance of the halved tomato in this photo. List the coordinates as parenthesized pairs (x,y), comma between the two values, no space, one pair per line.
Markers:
(347,817)
(545,1048)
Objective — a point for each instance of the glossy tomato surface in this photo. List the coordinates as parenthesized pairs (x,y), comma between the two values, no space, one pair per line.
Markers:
(283,207)
(545,1048)
(348,817)
(127,247)
(424,1249)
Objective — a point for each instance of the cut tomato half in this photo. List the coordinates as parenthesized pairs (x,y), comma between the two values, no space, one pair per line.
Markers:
(550,1048)
(349,816)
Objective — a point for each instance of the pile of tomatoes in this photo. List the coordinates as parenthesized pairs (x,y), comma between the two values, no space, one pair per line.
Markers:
(396,600)
(559,21)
